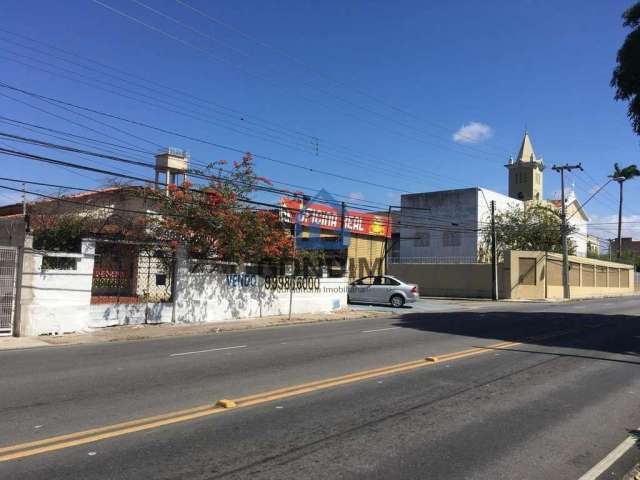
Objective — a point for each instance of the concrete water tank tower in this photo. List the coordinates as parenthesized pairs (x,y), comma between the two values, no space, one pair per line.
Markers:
(173,163)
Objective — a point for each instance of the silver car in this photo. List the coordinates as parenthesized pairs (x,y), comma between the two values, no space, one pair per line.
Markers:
(382,289)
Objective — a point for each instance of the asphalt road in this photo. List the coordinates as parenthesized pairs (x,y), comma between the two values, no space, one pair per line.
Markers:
(550,407)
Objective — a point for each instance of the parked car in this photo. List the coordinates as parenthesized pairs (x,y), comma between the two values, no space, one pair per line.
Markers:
(382,289)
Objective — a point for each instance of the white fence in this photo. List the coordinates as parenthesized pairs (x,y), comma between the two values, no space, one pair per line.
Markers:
(56,296)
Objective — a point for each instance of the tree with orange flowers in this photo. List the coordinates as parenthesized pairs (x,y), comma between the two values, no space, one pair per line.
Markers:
(216,221)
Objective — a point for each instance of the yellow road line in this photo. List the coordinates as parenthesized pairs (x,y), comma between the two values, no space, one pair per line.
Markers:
(13,452)
(115,426)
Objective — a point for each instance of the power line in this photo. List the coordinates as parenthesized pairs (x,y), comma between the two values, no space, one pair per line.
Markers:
(369,204)
(199,140)
(270,138)
(320,73)
(207,52)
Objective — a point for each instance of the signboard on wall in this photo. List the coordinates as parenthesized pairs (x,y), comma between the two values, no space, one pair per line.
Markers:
(327,217)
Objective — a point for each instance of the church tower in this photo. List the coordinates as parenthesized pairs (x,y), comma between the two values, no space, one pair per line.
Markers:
(525,174)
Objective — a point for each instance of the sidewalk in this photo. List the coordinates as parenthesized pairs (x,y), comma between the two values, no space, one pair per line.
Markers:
(17,343)
(167,330)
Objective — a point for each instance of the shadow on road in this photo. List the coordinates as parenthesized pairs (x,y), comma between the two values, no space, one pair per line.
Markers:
(608,333)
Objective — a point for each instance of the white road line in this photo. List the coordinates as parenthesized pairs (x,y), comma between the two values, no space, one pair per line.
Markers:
(609,460)
(379,330)
(205,351)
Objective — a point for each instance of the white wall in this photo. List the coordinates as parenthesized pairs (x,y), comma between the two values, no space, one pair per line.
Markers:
(457,210)
(579,238)
(432,213)
(212,297)
(59,301)
(503,203)
(56,301)
(112,314)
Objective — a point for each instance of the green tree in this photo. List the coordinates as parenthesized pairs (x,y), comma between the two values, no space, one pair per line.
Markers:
(216,221)
(621,175)
(532,227)
(626,75)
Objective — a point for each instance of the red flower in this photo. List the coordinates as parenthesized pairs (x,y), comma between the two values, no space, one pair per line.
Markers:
(172,187)
(264,180)
(222,162)
(186,184)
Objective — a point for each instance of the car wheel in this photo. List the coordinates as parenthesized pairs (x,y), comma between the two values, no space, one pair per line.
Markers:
(397,301)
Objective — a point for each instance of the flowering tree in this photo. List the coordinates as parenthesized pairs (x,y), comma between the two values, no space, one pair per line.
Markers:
(217,222)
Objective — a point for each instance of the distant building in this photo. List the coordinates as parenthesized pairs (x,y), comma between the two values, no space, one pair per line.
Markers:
(593,246)
(447,225)
(628,245)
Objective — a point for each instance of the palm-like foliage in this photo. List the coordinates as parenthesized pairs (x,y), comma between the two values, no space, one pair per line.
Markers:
(627,172)
(626,76)
(621,175)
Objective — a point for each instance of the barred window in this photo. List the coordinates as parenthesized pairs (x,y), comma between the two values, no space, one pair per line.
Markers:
(450,239)
(423,238)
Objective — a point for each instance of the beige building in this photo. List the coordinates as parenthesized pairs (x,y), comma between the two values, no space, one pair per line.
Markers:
(525,174)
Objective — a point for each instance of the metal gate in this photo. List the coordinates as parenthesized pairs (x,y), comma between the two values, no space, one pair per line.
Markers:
(8,268)
(132,273)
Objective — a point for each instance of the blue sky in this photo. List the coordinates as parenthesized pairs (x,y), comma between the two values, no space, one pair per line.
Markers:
(382,86)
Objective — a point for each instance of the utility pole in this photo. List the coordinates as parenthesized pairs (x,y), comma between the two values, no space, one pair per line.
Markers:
(386,243)
(343,211)
(24,200)
(563,213)
(494,256)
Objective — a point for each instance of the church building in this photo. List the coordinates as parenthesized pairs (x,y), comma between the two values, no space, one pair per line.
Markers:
(447,225)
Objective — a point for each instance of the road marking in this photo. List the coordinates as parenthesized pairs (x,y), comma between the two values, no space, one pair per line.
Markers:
(379,330)
(206,351)
(600,467)
(59,442)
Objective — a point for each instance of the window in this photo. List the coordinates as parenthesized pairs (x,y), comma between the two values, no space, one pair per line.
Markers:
(364,281)
(423,238)
(450,239)
(59,263)
(389,281)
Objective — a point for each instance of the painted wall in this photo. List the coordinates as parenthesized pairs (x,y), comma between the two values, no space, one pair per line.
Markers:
(426,218)
(59,301)
(543,278)
(446,280)
(211,297)
(56,301)
(523,275)
(503,203)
